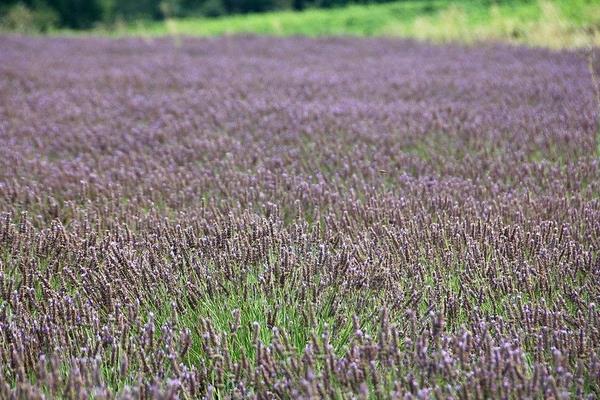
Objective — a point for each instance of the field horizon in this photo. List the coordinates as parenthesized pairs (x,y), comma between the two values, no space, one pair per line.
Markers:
(542,23)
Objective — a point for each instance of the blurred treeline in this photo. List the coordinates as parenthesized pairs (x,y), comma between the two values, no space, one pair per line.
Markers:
(43,15)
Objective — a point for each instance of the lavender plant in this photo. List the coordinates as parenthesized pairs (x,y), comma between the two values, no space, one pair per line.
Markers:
(297,218)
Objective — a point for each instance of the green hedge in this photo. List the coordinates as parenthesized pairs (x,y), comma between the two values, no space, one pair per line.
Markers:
(79,14)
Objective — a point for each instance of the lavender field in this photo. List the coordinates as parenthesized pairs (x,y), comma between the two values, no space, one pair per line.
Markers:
(297,218)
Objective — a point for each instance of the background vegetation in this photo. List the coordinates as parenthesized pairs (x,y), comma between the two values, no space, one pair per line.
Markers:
(86,13)
(549,23)
(555,24)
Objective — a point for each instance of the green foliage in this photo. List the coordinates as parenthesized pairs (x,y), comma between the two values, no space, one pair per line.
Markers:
(135,9)
(76,13)
(212,8)
(22,19)
(79,14)
(548,23)
(31,15)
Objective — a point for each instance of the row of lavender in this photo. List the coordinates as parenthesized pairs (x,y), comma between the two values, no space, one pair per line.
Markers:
(295,218)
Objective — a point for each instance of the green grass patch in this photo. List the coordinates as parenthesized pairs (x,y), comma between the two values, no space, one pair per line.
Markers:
(549,23)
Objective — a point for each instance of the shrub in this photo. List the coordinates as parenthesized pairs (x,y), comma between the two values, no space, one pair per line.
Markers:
(22,19)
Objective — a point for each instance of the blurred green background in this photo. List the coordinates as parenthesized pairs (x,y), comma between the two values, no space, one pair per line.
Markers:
(548,23)
(87,13)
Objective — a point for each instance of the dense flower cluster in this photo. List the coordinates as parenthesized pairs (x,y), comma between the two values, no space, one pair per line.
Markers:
(296,218)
